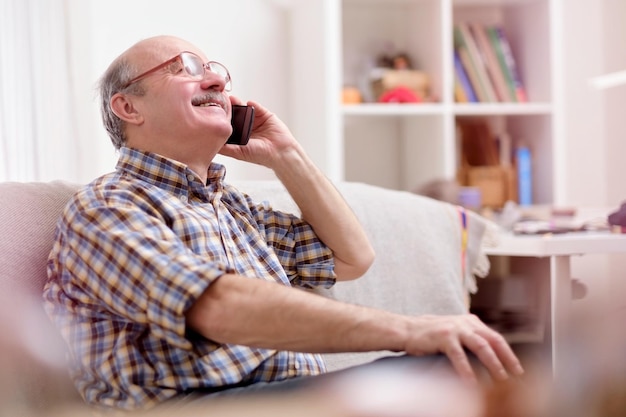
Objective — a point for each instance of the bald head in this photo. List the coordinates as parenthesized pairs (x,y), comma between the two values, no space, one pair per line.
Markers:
(150,52)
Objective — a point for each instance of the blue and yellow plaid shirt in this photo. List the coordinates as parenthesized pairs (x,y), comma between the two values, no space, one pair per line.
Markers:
(132,253)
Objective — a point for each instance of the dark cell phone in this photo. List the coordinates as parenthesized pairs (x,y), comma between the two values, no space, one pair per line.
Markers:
(242,119)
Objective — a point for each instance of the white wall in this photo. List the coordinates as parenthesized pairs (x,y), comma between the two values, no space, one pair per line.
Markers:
(585,151)
(248,36)
(595,126)
(614,41)
(594,44)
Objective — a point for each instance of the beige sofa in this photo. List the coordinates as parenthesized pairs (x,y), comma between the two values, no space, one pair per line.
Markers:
(421,267)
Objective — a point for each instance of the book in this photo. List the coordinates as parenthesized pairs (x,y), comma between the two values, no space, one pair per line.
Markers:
(459,93)
(507,62)
(492,65)
(478,145)
(462,79)
(468,66)
(472,75)
(466,38)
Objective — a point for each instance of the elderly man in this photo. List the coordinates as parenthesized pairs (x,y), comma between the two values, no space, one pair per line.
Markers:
(164,280)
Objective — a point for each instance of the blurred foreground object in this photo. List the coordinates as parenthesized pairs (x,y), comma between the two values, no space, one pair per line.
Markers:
(617,219)
(33,376)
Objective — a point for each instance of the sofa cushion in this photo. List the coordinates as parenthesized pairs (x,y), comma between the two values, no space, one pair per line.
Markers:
(29,215)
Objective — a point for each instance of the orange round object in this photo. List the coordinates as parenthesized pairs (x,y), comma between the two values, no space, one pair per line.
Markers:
(351,95)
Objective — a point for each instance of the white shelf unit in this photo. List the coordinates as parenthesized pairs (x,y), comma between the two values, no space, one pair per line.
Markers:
(402,146)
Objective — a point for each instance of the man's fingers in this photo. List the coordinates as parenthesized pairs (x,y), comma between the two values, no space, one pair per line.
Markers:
(486,354)
(503,351)
(458,357)
(460,335)
(491,349)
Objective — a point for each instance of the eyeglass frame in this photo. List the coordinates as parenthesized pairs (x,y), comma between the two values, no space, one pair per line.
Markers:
(205,67)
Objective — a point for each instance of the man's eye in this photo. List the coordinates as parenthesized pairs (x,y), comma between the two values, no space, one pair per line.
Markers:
(176,67)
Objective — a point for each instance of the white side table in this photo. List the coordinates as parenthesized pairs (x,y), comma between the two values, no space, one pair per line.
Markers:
(559,248)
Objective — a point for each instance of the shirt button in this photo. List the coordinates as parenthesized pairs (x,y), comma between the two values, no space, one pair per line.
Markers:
(183,198)
(190,177)
(297,366)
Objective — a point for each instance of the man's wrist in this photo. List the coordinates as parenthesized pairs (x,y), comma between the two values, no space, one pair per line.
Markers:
(292,163)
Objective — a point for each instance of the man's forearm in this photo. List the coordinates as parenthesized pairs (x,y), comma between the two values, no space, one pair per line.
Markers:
(325,209)
(252,312)
(247,311)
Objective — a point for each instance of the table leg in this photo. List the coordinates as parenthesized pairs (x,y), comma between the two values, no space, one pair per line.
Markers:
(561,299)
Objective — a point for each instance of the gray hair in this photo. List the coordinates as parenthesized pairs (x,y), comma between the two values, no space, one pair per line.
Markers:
(112,82)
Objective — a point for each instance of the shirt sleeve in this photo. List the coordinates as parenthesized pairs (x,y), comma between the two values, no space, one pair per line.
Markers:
(307,261)
(126,260)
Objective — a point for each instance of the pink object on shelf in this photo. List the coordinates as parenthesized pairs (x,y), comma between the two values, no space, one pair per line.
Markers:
(399,95)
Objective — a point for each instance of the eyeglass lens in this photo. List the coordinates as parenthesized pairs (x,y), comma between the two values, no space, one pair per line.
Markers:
(195,67)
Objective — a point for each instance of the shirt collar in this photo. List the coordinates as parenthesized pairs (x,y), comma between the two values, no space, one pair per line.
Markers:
(165,173)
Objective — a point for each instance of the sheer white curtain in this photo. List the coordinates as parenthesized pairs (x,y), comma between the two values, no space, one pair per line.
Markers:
(37,134)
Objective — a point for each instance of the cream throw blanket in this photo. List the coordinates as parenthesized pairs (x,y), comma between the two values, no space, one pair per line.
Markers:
(419,266)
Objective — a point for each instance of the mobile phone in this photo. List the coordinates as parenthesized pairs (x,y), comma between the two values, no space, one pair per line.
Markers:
(241,120)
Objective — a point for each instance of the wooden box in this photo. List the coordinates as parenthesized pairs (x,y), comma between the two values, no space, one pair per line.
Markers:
(497,183)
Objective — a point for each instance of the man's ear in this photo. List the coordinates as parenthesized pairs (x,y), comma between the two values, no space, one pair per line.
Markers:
(124,108)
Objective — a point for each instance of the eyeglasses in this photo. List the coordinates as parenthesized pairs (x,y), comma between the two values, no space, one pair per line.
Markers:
(194,67)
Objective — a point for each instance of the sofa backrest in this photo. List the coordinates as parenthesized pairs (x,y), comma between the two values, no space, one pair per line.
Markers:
(33,375)
(414,236)
(29,215)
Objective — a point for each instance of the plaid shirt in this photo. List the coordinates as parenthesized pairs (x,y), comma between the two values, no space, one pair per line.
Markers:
(132,253)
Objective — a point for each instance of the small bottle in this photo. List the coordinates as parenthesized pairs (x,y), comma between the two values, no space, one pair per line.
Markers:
(524,176)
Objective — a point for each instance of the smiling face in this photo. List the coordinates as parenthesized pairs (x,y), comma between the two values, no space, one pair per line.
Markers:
(178,116)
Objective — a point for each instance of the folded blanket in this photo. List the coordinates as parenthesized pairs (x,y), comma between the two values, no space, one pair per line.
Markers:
(428,253)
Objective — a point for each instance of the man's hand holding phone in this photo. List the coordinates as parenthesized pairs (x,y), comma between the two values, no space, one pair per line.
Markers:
(271,142)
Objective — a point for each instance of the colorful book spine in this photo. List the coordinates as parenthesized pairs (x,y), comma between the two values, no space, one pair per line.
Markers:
(463,80)
(459,93)
(469,66)
(493,38)
(478,61)
(492,65)
(511,66)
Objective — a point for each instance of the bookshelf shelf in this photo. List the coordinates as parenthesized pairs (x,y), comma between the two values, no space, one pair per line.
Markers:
(375,109)
(469,109)
(502,109)
(489,2)
(338,44)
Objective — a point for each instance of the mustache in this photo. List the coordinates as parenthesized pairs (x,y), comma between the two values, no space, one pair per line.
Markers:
(210,97)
